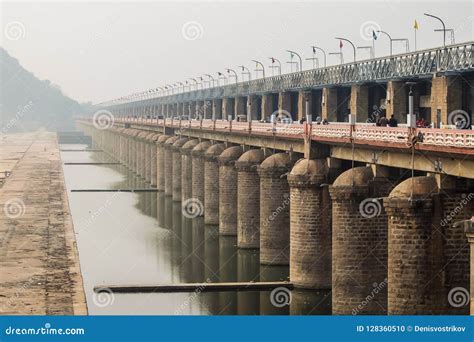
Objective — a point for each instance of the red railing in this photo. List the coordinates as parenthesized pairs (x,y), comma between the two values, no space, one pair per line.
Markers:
(333,131)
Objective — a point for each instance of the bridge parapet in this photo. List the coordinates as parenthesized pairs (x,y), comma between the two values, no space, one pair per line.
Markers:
(362,133)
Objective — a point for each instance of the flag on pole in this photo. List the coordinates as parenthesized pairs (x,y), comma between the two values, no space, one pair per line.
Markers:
(314,49)
(374,35)
(273,60)
(340,44)
(291,55)
(415,26)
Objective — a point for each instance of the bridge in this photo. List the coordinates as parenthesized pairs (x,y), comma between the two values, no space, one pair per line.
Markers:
(366,211)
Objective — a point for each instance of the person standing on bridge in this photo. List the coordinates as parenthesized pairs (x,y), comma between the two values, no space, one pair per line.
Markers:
(393,122)
(383,121)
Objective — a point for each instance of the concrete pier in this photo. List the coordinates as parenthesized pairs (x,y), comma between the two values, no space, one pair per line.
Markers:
(275,210)
(176,183)
(359,244)
(211,184)
(39,265)
(169,172)
(228,190)
(160,162)
(198,170)
(414,250)
(310,225)
(248,199)
(187,169)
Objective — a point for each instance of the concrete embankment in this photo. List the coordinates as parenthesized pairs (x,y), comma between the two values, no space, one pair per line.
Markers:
(39,264)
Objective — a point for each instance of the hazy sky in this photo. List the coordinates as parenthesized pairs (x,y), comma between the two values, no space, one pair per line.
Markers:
(97,51)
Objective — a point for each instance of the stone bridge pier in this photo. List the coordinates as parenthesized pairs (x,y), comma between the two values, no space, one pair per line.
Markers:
(248,198)
(275,209)
(359,243)
(187,170)
(228,197)
(198,173)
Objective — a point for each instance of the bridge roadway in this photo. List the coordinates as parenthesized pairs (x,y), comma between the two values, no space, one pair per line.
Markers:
(447,151)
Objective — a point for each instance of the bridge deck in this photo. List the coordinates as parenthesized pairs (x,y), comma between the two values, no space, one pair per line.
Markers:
(39,266)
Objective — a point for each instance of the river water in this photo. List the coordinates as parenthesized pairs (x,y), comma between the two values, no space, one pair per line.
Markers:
(143,238)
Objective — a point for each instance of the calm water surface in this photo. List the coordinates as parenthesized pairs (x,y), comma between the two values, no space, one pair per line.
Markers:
(143,238)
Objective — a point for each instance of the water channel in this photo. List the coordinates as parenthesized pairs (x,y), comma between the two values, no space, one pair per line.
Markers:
(143,238)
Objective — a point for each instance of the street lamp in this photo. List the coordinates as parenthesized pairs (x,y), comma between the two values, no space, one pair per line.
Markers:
(256,68)
(341,56)
(294,53)
(324,52)
(195,82)
(314,59)
(442,22)
(273,59)
(221,75)
(247,72)
(233,71)
(389,37)
(407,42)
(370,48)
(451,31)
(353,46)
(210,79)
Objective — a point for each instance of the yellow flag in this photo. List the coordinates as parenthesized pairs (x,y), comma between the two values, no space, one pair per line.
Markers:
(415,26)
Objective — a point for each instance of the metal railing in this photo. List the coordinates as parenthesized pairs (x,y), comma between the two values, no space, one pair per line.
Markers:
(455,58)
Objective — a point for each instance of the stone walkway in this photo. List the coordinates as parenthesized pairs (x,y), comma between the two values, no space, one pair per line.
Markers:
(39,264)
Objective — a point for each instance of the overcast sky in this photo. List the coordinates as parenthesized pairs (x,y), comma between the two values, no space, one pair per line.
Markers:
(97,51)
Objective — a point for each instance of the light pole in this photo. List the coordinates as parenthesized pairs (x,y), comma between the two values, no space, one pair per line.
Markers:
(341,56)
(370,48)
(324,52)
(451,31)
(273,59)
(353,46)
(442,22)
(407,42)
(314,59)
(261,64)
(389,37)
(195,82)
(291,57)
(247,72)
(235,74)
(210,79)
(221,75)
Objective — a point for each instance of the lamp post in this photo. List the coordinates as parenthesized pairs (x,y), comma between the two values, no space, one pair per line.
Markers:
(261,64)
(273,59)
(407,42)
(341,56)
(247,72)
(389,37)
(221,75)
(353,46)
(324,52)
(195,82)
(451,31)
(211,78)
(233,71)
(368,47)
(294,53)
(314,59)
(442,23)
